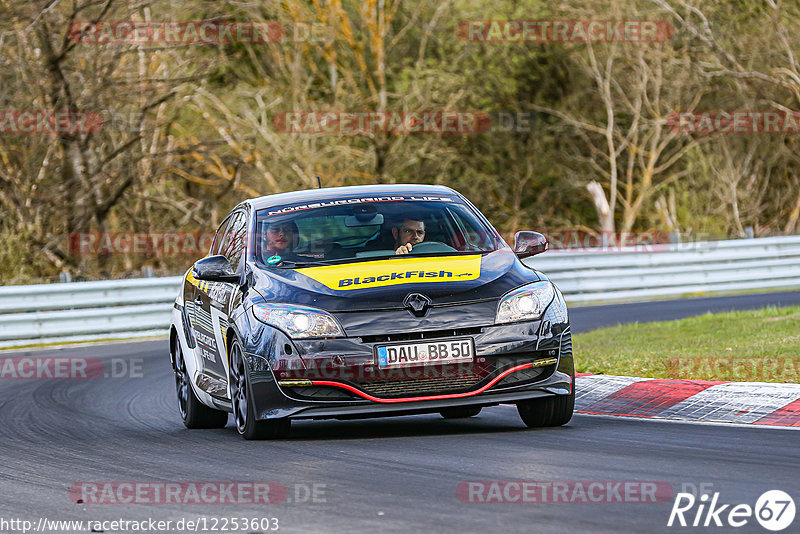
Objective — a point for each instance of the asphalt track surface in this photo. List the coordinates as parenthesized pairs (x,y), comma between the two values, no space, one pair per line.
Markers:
(381,475)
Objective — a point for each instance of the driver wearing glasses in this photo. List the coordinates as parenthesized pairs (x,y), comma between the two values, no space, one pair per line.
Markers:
(407,234)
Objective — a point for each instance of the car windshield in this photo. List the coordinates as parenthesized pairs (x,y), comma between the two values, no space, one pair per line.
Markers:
(349,229)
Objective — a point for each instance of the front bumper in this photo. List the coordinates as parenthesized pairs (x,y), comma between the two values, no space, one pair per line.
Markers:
(421,407)
(346,392)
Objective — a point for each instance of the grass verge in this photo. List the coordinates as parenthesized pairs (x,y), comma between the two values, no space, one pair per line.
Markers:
(749,346)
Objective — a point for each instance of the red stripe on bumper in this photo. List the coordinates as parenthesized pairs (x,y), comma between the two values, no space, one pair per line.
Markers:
(367,396)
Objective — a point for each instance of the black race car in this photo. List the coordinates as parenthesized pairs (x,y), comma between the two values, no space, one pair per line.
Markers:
(369,301)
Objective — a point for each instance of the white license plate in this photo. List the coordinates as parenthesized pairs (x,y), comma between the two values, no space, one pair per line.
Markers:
(425,353)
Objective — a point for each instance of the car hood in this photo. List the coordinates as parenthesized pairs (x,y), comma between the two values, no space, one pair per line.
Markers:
(384,284)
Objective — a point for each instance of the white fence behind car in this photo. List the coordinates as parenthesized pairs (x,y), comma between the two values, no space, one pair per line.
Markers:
(673,270)
(83,311)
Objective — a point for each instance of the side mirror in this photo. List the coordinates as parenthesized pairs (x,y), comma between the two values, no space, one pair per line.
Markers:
(529,244)
(215,269)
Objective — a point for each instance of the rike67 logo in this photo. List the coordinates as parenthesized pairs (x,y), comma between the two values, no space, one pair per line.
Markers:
(774,510)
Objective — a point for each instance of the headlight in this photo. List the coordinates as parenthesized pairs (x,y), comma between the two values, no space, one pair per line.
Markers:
(298,321)
(526,303)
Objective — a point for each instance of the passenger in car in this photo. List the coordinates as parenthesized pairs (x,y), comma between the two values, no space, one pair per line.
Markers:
(281,237)
(281,240)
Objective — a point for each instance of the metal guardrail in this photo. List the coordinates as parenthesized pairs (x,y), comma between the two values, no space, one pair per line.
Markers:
(673,270)
(84,311)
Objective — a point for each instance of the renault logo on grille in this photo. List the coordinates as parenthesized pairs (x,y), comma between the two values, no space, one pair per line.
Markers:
(417,304)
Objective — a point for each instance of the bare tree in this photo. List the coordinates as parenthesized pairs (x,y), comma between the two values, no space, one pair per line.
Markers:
(626,142)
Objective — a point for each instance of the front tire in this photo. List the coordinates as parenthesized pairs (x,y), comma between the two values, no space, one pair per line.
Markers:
(243,407)
(547,411)
(194,413)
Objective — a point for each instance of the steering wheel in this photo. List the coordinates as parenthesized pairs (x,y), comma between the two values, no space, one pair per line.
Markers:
(430,246)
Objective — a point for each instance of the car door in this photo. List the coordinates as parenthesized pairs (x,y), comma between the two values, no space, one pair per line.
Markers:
(191,301)
(198,306)
(213,301)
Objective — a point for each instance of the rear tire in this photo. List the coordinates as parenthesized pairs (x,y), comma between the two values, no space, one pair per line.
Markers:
(194,413)
(243,408)
(460,412)
(547,411)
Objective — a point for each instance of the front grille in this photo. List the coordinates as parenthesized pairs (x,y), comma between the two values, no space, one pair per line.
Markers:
(419,386)
(421,380)
(430,334)
(452,378)
(425,380)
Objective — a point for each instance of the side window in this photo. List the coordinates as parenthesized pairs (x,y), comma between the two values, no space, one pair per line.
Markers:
(217,246)
(234,242)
